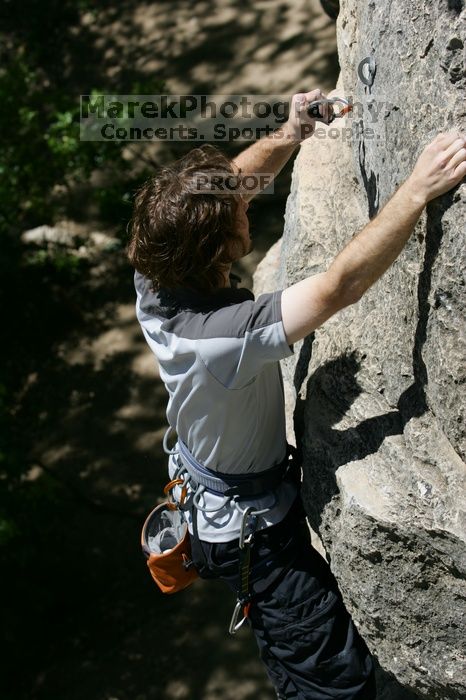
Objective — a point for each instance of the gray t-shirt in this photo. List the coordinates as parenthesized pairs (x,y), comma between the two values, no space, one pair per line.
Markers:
(218,357)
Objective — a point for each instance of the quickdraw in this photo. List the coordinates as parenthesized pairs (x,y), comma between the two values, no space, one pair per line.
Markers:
(243,602)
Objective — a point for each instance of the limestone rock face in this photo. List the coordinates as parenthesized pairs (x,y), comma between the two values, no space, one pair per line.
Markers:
(378,392)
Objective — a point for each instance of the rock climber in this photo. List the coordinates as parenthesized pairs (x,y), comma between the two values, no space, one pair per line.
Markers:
(219,350)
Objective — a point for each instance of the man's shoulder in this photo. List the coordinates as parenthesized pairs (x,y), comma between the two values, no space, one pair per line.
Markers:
(232,319)
(230,312)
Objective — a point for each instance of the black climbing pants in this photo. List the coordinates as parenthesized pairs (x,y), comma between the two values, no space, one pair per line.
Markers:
(306,638)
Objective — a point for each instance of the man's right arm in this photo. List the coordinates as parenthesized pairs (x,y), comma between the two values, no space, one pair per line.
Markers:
(309,303)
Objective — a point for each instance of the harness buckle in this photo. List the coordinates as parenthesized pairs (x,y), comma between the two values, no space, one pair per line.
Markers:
(232,492)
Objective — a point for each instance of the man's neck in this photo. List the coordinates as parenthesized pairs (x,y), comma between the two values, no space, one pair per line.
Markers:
(226,277)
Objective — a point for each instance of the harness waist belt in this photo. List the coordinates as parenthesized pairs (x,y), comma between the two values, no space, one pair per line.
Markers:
(241,485)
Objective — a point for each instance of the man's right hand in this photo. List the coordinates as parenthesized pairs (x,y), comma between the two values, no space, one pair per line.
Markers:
(300,124)
(440,167)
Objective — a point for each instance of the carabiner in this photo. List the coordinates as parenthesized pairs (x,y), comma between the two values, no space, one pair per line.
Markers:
(184,491)
(344,110)
(234,624)
(313,107)
(244,523)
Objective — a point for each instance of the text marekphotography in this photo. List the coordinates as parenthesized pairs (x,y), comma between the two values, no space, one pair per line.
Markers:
(202,118)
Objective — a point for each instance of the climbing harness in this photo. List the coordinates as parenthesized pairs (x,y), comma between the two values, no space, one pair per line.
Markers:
(314,111)
(195,480)
(232,485)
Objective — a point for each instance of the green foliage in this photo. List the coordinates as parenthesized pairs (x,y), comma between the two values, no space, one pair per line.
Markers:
(42,157)
(42,163)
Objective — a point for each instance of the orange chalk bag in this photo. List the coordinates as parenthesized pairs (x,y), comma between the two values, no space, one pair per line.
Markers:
(166,545)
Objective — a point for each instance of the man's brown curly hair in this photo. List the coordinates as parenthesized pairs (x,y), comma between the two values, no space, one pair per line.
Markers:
(179,237)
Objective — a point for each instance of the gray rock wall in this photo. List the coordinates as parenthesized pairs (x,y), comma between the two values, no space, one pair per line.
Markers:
(376,396)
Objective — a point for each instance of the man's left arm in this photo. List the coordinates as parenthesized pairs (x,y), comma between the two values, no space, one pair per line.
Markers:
(269,155)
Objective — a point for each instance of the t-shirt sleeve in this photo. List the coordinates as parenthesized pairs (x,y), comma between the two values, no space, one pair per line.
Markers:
(244,338)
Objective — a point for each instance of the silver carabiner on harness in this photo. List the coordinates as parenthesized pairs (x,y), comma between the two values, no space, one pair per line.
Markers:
(234,624)
(243,540)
